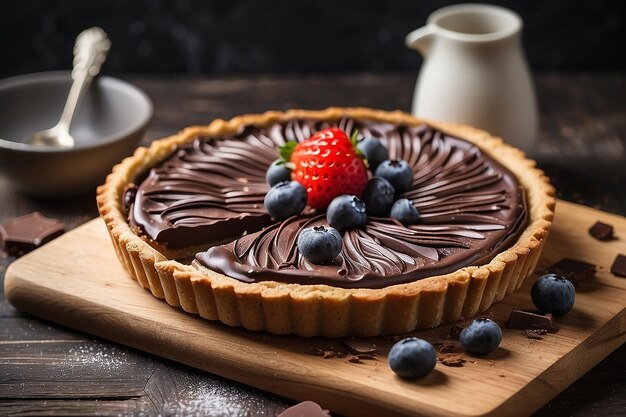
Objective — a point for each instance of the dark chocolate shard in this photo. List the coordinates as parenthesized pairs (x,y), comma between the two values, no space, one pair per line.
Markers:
(601,231)
(305,408)
(357,346)
(619,266)
(573,270)
(26,233)
(520,319)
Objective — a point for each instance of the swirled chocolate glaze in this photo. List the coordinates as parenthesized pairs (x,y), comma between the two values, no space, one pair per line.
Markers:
(213,189)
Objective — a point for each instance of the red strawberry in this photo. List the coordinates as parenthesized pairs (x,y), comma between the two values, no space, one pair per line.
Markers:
(328,165)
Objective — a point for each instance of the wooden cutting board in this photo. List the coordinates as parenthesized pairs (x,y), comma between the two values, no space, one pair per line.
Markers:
(77,281)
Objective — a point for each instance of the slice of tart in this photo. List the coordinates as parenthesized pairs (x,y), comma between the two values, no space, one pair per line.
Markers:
(189,220)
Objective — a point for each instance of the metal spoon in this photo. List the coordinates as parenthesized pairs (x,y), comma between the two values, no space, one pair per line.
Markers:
(90,50)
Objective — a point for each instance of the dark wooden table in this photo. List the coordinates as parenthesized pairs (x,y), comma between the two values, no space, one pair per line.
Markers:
(46,369)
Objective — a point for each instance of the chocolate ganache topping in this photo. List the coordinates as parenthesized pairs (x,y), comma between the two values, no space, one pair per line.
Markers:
(212,190)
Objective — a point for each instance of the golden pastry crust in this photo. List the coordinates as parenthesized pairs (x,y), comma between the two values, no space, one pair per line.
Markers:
(310,310)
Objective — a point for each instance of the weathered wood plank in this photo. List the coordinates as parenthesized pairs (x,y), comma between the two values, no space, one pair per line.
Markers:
(70,369)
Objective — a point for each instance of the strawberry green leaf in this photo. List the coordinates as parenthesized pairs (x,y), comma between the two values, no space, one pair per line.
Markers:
(359,152)
(287,149)
(353,137)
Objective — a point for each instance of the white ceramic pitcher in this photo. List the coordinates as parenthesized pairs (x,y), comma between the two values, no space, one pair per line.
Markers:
(474,72)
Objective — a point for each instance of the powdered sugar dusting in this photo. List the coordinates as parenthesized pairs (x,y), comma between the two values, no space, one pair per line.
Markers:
(108,358)
(204,395)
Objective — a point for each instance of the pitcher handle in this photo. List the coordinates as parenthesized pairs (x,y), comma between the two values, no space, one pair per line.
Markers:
(421,39)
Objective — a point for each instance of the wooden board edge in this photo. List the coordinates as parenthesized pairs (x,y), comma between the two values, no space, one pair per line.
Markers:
(26,295)
(552,381)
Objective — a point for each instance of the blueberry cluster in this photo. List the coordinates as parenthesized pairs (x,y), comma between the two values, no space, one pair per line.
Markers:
(413,358)
(391,177)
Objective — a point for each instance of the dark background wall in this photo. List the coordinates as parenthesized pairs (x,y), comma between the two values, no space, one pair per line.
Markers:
(287,36)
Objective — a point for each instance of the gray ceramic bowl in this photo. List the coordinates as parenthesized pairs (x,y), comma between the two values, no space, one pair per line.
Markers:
(109,122)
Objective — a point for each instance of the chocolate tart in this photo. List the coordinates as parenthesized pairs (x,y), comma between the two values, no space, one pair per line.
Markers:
(187,221)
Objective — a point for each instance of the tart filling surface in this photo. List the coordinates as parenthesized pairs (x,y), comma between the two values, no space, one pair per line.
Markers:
(212,189)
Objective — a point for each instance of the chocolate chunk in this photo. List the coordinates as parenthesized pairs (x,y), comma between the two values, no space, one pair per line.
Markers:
(601,231)
(305,408)
(619,266)
(573,270)
(520,319)
(359,346)
(26,233)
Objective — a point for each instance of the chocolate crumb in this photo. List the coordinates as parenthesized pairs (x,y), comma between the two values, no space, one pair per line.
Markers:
(316,352)
(520,319)
(573,270)
(601,231)
(445,346)
(452,360)
(618,268)
(354,359)
(534,334)
(457,328)
(326,354)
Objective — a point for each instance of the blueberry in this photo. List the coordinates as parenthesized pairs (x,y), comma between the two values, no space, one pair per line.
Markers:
(277,172)
(319,244)
(378,196)
(412,358)
(374,151)
(482,336)
(397,172)
(285,199)
(405,212)
(554,294)
(346,212)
